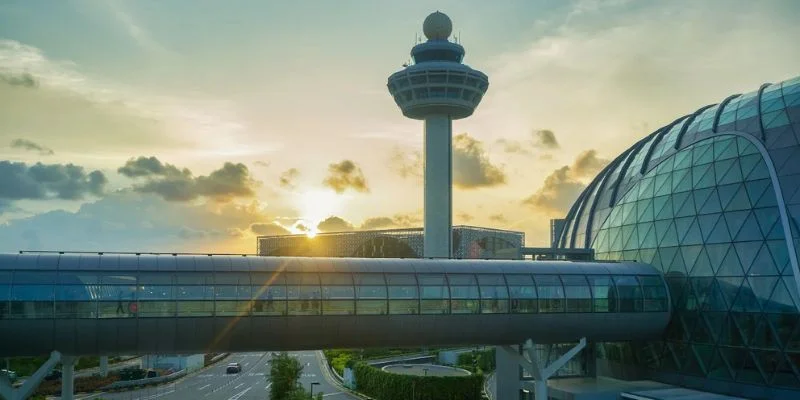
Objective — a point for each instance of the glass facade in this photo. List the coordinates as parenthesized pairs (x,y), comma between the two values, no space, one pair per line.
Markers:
(715,205)
(132,294)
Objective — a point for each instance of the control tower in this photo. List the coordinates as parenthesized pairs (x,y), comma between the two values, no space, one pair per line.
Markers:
(438,88)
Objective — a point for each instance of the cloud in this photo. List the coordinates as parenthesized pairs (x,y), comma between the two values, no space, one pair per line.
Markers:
(396,221)
(466,217)
(407,164)
(471,166)
(26,144)
(562,187)
(24,79)
(288,177)
(498,218)
(129,221)
(262,163)
(174,184)
(545,139)
(268,229)
(346,175)
(335,224)
(18,181)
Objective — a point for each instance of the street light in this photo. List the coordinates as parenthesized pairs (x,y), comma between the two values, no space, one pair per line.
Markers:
(312,388)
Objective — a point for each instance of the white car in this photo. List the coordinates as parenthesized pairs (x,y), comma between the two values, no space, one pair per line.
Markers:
(233,368)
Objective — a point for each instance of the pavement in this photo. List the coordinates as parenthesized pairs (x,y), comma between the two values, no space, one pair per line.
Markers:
(252,383)
(133,362)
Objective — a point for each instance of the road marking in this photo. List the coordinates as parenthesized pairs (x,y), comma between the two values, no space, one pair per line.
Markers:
(201,388)
(206,375)
(268,385)
(240,394)
(331,394)
(238,386)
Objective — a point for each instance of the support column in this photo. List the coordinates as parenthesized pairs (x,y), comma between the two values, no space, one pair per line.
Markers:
(541,372)
(506,373)
(68,377)
(7,392)
(438,236)
(104,366)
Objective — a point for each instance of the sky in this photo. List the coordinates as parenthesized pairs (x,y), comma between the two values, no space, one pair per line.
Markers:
(195,125)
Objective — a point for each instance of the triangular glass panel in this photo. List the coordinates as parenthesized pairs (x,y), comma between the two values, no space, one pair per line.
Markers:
(629,237)
(729,286)
(658,205)
(661,228)
(722,168)
(716,253)
(704,355)
(767,218)
(647,255)
(707,224)
(682,180)
(785,375)
(720,233)
(738,201)
(760,171)
(747,252)
(703,176)
(717,324)
(733,334)
(768,360)
(692,235)
(776,232)
(712,205)
(756,189)
(665,256)
(749,230)
(683,159)
(734,356)
(716,299)
(768,199)
(678,286)
(702,288)
(731,265)
(703,154)
(668,361)
(671,237)
(763,264)
(750,371)
(746,299)
(702,267)
(615,243)
(645,210)
(780,301)
(735,220)
(780,254)
(791,286)
(749,162)
(683,203)
(646,187)
(783,326)
(719,369)
(746,147)
(663,184)
(726,193)
(690,254)
(763,336)
(721,147)
(679,351)
(762,287)
(701,196)
(666,210)
(682,225)
(701,334)
(647,239)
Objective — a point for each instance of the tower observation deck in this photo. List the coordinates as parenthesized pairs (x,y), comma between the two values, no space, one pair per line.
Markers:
(438,88)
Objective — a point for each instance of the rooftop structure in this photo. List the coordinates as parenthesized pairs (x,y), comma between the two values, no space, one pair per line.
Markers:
(438,88)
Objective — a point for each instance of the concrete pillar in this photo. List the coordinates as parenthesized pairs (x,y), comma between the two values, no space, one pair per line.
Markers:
(506,373)
(104,366)
(438,208)
(7,392)
(540,390)
(68,377)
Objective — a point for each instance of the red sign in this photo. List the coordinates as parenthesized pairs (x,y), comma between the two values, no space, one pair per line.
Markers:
(133,308)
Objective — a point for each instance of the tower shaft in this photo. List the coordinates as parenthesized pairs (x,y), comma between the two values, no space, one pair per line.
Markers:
(438,187)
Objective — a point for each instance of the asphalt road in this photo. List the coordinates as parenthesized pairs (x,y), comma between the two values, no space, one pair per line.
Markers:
(250,384)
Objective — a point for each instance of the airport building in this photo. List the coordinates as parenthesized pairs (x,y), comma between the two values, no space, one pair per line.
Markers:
(712,200)
(468,242)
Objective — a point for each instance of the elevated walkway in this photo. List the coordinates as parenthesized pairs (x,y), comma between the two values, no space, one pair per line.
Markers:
(105,304)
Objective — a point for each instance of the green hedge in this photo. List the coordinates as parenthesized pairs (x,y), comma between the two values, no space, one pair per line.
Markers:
(484,360)
(386,386)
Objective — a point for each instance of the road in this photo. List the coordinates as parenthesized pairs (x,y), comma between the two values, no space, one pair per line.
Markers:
(252,383)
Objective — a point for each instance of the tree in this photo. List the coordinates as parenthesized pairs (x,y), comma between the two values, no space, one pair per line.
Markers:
(285,373)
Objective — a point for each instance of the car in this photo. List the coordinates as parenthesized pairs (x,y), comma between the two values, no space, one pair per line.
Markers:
(12,376)
(53,375)
(233,368)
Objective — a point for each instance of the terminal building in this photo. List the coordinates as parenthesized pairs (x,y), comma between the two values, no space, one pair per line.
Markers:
(469,242)
(712,200)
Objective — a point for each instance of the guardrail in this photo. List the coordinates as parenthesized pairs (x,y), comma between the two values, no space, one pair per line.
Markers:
(146,381)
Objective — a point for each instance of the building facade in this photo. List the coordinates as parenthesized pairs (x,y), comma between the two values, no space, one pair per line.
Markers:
(713,201)
(468,242)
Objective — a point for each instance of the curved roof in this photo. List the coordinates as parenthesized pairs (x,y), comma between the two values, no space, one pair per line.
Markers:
(764,115)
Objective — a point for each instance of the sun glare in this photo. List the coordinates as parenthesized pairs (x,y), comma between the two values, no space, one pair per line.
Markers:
(315,205)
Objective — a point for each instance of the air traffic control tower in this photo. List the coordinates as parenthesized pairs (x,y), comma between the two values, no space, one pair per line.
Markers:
(438,88)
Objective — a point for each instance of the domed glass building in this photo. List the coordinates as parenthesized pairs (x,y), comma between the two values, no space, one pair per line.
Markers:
(713,200)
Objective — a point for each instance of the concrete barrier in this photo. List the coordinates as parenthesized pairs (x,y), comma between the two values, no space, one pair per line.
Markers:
(145,381)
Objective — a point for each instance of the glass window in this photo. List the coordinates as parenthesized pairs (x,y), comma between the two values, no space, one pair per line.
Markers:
(338,299)
(74,301)
(231,278)
(32,278)
(434,294)
(305,278)
(522,293)
(304,300)
(630,293)
(156,301)
(117,301)
(195,300)
(31,301)
(465,299)
(403,294)
(336,279)
(401,279)
(655,295)
(494,299)
(267,279)
(603,293)
(369,279)
(77,278)
(576,290)
(551,293)
(269,300)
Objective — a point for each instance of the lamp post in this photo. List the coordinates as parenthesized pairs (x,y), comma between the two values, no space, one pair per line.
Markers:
(312,388)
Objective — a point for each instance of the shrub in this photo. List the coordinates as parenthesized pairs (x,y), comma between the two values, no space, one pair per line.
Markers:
(483,360)
(387,386)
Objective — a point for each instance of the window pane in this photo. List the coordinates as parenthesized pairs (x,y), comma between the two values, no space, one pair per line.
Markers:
(225,292)
(306,278)
(434,306)
(267,278)
(156,309)
(72,309)
(494,306)
(522,292)
(524,306)
(369,279)
(338,307)
(151,292)
(269,293)
(494,292)
(551,293)
(403,292)
(194,292)
(630,294)
(228,308)
(371,307)
(195,308)
(336,279)
(118,279)
(602,291)
(403,306)
(461,279)
(431,279)
(371,292)
(338,292)
(579,299)
(491,280)
(463,292)
(276,306)
(25,277)
(434,292)
(401,279)
(519,280)
(77,278)
(461,306)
